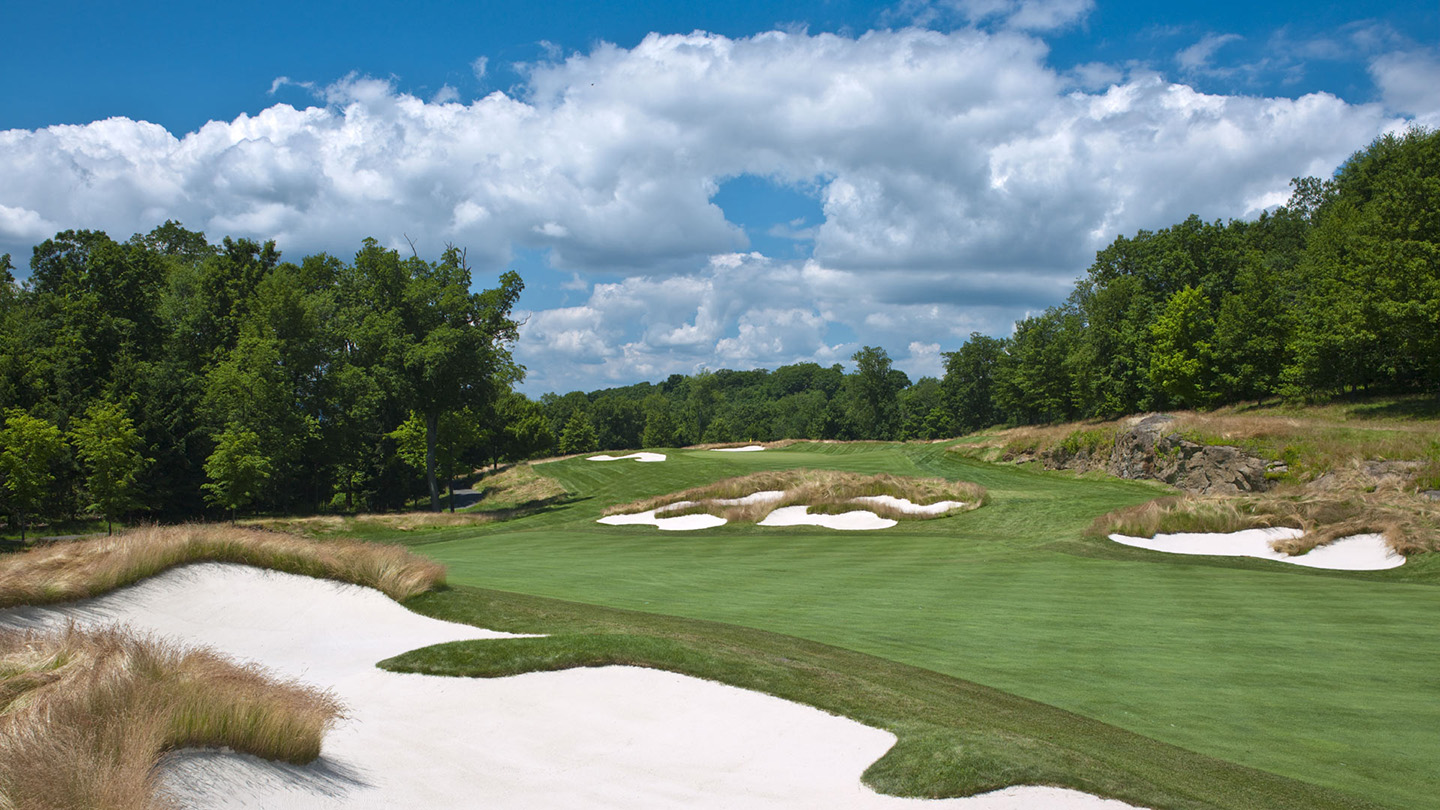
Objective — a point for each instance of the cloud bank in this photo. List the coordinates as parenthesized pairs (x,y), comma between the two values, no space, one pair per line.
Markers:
(963,182)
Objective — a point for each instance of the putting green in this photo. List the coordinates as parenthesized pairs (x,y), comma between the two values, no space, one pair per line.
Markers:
(1323,677)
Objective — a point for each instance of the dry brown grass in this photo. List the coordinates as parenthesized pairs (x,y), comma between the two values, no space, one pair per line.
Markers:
(86,715)
(1410,525)
(517,487)
(822,490)
(509,493)
(77,569)
(339,525)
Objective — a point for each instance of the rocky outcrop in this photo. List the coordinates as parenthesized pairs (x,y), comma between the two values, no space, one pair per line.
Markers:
(1148,449)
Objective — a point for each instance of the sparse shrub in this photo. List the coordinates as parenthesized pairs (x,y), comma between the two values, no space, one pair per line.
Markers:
(1094,441)
(86,715)
(77,569)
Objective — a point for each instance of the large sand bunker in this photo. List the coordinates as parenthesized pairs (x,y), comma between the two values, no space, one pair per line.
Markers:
(1361,552)
(749,448)
(647,457)
(599,737)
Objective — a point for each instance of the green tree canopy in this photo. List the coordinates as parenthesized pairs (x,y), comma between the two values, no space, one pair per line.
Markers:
(237,470)
(29,449)
(579,435)
(110,448)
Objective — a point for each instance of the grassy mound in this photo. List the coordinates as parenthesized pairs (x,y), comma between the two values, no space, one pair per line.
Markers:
(62,572)
(84,716)
(513,492)
(824,491)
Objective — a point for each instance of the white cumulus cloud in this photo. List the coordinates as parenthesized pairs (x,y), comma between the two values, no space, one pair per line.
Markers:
(962,181)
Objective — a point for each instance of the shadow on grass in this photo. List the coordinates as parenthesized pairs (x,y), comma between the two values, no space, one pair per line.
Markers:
(955,737)
(1417,408)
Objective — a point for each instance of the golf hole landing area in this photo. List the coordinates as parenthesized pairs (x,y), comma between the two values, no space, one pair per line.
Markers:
(1361,552)
(610,737)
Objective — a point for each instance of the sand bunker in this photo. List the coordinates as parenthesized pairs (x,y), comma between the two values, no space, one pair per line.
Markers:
(636,456)
(1361,552)
(592,737)
(680,523)
(749,448)
(909,507)
(859,520)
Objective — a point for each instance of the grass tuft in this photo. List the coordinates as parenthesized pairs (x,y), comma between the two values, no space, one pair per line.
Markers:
(65,571)
(825,491)
(85,715)
(1409,526)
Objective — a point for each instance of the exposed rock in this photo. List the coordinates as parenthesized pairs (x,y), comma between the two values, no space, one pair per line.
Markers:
(1431,494)
(1146,449)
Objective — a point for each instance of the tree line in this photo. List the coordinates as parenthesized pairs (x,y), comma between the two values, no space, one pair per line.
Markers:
(1335,292)
(171,376)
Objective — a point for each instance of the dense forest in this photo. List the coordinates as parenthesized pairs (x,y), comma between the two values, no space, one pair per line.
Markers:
(169,377)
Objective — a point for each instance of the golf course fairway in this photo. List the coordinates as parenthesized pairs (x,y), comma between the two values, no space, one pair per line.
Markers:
(1329,678)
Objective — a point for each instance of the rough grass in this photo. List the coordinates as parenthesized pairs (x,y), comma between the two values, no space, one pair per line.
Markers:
(85,716)
(517,487)
(510,493)
(1410,526)
(342,525)
(824,491)
(65,571)
(1313,440)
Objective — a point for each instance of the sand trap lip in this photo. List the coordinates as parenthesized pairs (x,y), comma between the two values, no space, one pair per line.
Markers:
(593,737)
(643,457)
(909,507)
(763,496)
(1361,552)
(749,448)
(856,521)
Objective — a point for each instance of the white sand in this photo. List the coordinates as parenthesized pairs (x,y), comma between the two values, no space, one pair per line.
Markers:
(909,507)
(680,523)
(616,737)
(1361,552)
(749,448)
(648,457)
(859,520)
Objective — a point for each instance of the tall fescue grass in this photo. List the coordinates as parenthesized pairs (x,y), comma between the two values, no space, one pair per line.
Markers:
(506,494)
(86,715)
(824,491)
(65,571)
(1409,525)
(1312,441)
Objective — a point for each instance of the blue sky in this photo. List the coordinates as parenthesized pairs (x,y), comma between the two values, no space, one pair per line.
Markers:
(688,185)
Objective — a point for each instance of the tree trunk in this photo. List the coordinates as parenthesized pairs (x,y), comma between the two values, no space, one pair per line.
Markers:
(432,426)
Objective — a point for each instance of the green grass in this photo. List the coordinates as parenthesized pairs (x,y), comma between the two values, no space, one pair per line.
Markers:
(954,737)
(1327,678)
